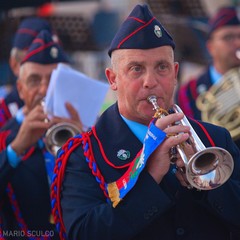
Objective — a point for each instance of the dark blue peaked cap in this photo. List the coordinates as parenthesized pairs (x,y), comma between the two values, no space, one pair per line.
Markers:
(141,30)
(44,50)
(28,29)
(225,16)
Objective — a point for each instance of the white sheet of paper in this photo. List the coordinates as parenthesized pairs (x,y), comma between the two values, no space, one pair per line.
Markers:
(84,93)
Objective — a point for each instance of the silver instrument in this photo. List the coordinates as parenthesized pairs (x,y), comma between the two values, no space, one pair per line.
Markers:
(208,168)
(58,134)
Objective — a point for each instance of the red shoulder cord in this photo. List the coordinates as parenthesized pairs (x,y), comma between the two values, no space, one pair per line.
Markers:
(59,170)
(5,114)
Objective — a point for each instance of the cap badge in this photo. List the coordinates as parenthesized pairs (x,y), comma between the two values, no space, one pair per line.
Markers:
(123,154)
(157,31)
(54,52)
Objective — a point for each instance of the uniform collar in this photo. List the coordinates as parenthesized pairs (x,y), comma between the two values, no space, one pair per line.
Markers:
(116,137)
(20,116)
(215,75)
(138,129)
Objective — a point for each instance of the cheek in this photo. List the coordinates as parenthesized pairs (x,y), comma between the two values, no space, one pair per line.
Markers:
(168,85)
(29,97)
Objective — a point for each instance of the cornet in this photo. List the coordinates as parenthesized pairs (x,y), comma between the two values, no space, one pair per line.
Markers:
(58,134)
(208,168)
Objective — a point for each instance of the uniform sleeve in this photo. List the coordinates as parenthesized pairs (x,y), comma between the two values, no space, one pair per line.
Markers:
(87,214)
(6,171)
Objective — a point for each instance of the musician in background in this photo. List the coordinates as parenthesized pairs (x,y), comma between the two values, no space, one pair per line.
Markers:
(222,44)
(115,181)
(28,29)
(25,166)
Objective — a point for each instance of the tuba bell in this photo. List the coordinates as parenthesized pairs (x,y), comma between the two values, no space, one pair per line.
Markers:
(220,105)
(208,168)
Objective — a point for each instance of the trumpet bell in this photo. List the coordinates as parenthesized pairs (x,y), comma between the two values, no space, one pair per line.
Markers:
(58,134)
(210,168)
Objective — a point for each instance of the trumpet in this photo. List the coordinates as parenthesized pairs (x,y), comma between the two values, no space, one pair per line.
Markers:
(208,168)
(58,134)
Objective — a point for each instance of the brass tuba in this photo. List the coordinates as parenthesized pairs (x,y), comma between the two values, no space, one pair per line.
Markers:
(208,168)
(220,105)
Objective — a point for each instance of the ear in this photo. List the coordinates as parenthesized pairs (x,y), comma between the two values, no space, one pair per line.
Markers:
(176,67)
(111,76)
(209,45)
(15,66)
(20,88)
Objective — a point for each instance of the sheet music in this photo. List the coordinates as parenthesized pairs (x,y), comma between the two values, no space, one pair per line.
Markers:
(84,93)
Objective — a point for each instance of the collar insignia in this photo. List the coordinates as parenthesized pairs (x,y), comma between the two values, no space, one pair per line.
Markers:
(123,154)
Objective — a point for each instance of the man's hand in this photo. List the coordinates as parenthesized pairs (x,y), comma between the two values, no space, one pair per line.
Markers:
(32,129)
(73,119)
(159,162)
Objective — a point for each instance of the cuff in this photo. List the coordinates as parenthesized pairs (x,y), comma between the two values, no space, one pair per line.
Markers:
(13,158)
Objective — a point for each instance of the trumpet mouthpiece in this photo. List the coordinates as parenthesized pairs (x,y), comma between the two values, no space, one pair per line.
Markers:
(151,98)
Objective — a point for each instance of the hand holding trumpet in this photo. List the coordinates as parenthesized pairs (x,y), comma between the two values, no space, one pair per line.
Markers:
(159,162)
(35,126)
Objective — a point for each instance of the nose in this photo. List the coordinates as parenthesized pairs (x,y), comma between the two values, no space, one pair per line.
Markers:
(150,80)
(43,87)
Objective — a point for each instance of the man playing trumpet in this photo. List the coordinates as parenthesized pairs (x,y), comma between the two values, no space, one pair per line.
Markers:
(116,181)
(25,166)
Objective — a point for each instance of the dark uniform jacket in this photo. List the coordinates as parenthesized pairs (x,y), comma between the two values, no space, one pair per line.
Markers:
(149,211)
(24,190)
(5,104)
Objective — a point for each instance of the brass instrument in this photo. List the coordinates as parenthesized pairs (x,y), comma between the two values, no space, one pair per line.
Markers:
(58,134)
(220,105)
(208,168)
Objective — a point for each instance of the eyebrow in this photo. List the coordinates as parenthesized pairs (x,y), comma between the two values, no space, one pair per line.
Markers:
(162,61)
(33,75)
